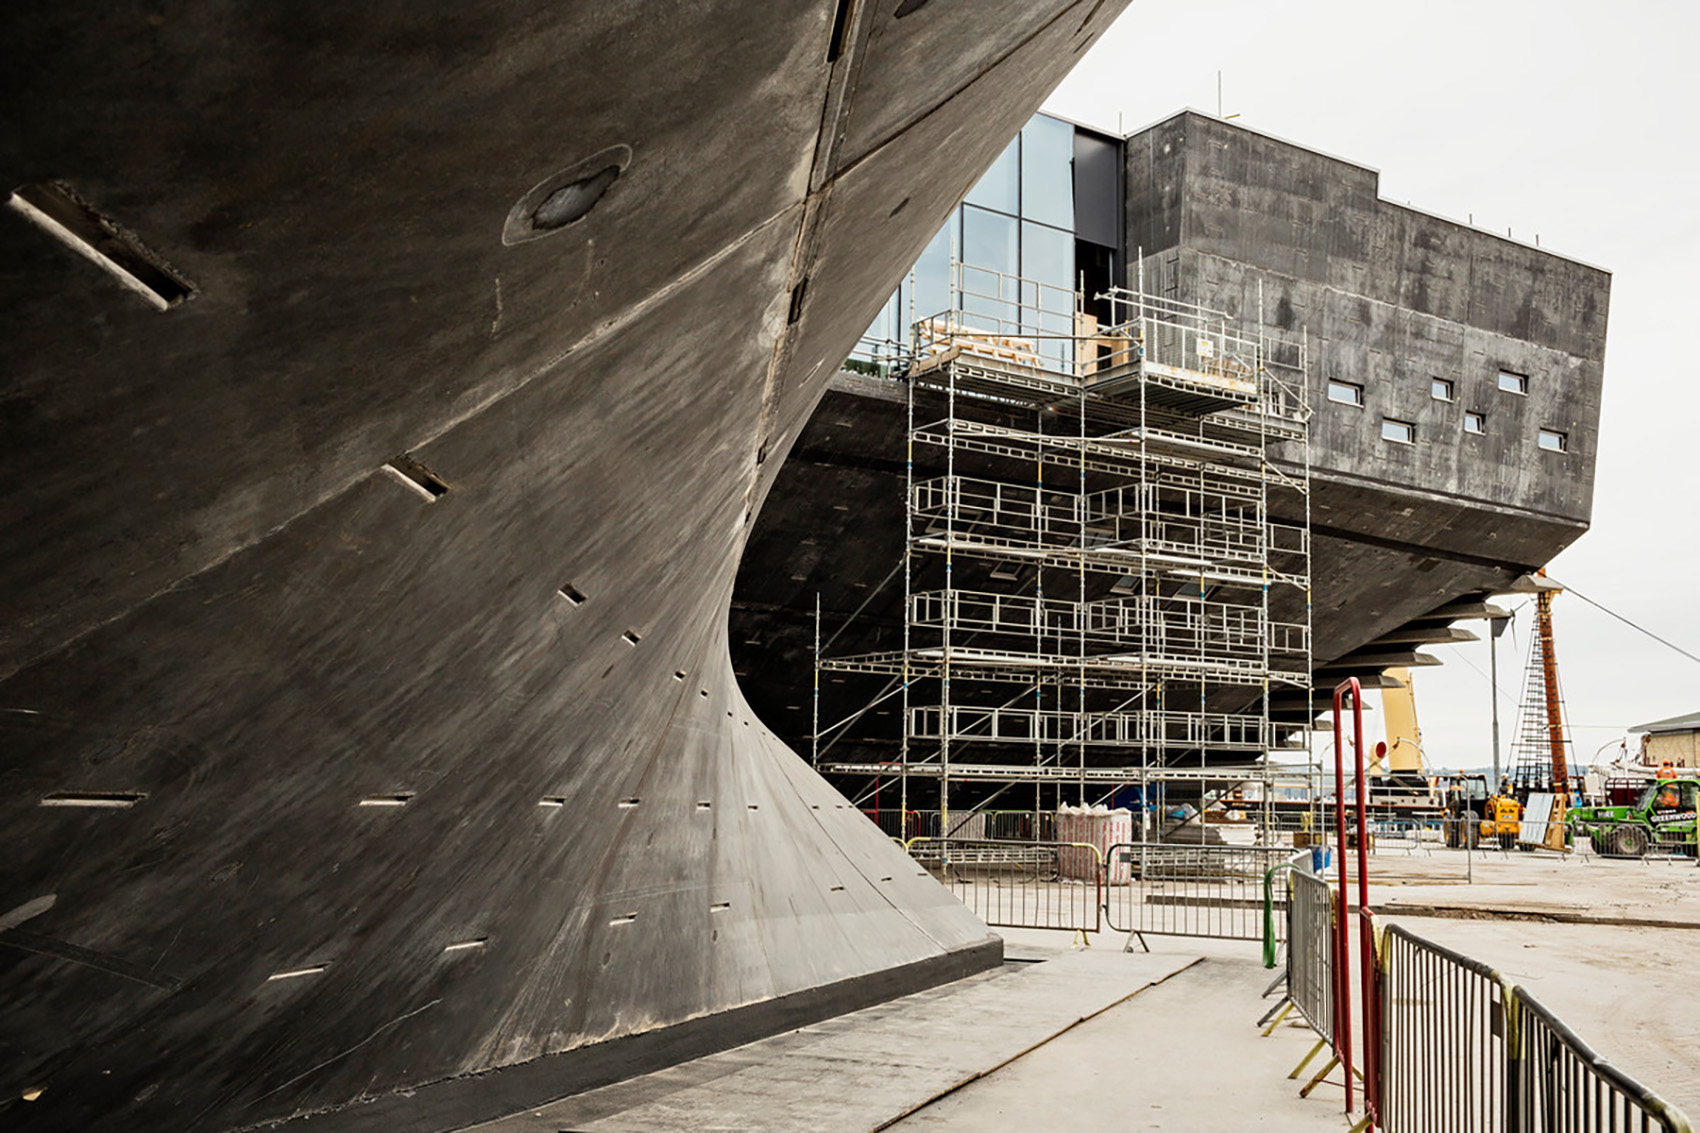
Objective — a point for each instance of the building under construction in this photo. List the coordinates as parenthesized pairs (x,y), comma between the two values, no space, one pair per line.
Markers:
(1096,589)
(1091,574)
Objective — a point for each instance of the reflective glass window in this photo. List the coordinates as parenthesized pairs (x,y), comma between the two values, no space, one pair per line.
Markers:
(1000,188)
(932,276)
(1346,393)
(1047,258)
(989,241)
(1047,172)
(1513,383)
(1047,299)
(1552,440)
(1475,423)
(1403,432)
(990,261)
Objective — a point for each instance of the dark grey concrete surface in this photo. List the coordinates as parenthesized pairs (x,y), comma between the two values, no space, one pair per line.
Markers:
(216,602)
(868,1071)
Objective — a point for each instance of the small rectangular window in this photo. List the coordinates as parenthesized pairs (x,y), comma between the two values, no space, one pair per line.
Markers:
(1513,383)
(1440,389)
(1401,431)
(1552,440)
(1346,393)
(1475,423)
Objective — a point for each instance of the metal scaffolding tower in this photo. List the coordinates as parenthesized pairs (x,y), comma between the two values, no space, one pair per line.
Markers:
(1542,755)
(1097,594)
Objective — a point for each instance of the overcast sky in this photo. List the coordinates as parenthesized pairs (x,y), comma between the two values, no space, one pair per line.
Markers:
(1574,121)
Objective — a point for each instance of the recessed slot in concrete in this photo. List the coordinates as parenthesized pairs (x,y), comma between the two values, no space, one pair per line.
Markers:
(629,804)
(54,209)
(720,906)
(702,692)
(836,889)
(704,804)
(632,637)
(798,294)
(552,801)
(417,477)
(885,879)
(573,200)
(296,973)
(572,594)
(755,806)
(564,197)
(400,798)
(678,674)
(96,800)
(626,918)
(466,945)
(840,29)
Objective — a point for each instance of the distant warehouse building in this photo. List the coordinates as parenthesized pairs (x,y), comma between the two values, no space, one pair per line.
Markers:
(1675,741)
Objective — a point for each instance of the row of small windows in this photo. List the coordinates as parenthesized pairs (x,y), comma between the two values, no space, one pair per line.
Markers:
(1441,389)
(1405,432)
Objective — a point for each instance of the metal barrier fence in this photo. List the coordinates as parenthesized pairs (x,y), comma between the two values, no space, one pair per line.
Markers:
(1010,884)
(1558,1083)
(966,825)
(1310,952)
(1189,890)
(1443,1038)
(1463,1049)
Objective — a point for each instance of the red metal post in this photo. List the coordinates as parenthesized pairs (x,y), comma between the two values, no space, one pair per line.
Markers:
(1366,926)
(1342,940)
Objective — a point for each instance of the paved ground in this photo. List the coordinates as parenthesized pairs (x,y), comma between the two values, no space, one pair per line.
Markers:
(1627,991)
(1079,1039)
(1093,1039)
(1184,1055)
(1581,888)
(1609,944)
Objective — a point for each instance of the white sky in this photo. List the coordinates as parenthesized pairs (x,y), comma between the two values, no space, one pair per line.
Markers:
(1572,120)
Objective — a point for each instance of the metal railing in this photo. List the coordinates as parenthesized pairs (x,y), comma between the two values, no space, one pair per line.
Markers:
(1465,1049)
(1310,953)
(1443,1038)
(1188,890)
(1010,884)
(1558,1082)
(966,825)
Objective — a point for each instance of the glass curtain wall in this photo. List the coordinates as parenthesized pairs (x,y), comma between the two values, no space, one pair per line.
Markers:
(1014,236)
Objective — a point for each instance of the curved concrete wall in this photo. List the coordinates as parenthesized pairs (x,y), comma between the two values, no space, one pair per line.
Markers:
(219,603)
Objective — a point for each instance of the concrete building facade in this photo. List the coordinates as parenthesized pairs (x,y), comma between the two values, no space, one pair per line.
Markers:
(1454,380)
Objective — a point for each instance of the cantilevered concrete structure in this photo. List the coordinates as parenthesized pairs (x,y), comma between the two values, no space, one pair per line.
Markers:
(366,719)
(1454,381)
